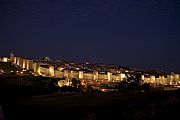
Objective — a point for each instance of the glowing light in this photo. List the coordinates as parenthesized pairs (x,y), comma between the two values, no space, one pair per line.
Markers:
(51,70)
(80,74)
(103,90)
(123,76)
(5,59)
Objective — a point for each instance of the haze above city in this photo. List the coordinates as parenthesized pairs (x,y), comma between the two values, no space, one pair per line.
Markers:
(133,33)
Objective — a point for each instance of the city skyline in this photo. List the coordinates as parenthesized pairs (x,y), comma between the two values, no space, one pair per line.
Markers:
(58,62)
(131,33)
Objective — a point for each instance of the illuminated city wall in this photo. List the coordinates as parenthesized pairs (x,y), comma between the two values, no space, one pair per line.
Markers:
(73,75)
(58,74)
(37,68)
(23,63)
(172,79)
(44,71)
(95,75)
(4,59)
(31,65)
(103,77)
(51,71)
(78,75)
(109,76)
(81,75)
(88,76)
(116,77)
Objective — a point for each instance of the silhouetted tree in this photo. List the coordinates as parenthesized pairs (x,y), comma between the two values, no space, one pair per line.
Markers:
(76,83)
(132,82)
(53,84)
(90,91)
(146,87)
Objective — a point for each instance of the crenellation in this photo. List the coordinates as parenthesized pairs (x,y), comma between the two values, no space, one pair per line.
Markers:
(59,72)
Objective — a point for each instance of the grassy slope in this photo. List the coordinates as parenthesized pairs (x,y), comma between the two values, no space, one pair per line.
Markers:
(109,107)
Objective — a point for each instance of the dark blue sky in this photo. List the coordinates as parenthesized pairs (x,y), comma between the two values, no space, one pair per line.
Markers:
(134,33)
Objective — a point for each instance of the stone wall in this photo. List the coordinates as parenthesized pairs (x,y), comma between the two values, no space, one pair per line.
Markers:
(173,79)
(88,76)
(103,77)
(44,71)
(38,70)
(58,74)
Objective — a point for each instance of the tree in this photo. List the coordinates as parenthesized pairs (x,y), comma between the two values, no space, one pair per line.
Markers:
(76,83)
(53,84)
(132,82)
(90,91)
(146,87)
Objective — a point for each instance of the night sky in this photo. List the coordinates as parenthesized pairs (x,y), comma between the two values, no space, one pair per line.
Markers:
(134,33)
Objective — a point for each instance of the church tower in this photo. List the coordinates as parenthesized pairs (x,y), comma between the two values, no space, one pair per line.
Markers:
(11,57)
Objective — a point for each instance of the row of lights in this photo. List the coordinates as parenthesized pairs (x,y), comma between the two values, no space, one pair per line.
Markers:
(1,71)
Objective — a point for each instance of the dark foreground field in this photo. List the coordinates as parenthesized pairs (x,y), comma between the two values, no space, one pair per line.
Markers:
(19,103)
